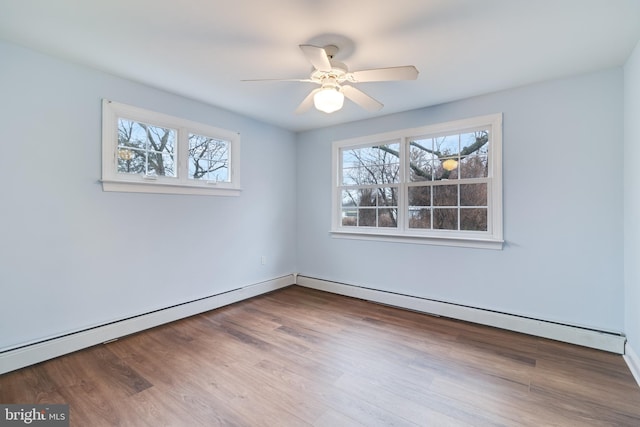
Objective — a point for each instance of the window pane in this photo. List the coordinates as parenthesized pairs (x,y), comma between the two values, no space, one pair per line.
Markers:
(421,160)
(367,197)
(387,217)
(145,148)
(424,170)
(208,158)
(445,219)
(131,161)
(447,146)
(377,164)
(350,198)
(349,217)
(367,217)
(445,195)
(473,219)
(160,164)
(474,143)
(420,218)
(474,167)
(448,168)
(473,195)
(439,172)
(387,196)
(131,134)
(160,139)
(419,196)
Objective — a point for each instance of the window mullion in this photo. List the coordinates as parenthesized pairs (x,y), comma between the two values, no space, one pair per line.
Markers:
(458,203)
(458,159)
(183,154)
(431,209)
(403,207)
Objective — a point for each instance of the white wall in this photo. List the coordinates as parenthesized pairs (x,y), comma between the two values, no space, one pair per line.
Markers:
(73,256)
(632,199)
(563,198)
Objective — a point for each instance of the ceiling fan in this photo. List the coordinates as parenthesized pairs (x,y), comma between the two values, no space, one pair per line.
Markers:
(334,78)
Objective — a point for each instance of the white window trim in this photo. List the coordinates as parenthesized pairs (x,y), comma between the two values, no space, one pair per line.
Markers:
(492,239)
(137,183)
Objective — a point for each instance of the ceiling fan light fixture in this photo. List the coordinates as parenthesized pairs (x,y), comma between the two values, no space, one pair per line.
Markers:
(328,99)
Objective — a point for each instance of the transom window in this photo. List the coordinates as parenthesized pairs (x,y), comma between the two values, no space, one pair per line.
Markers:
(145,151)
(436,184)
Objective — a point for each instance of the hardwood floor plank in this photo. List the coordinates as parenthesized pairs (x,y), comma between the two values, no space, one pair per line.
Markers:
(33,385)
(354,407)
(584,385)
(379,394)
(333,418)
(491,403)
(302,357)
(579,411)
(151,406)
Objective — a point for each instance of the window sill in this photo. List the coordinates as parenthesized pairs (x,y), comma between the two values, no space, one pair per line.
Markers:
(164,188)
(456,241)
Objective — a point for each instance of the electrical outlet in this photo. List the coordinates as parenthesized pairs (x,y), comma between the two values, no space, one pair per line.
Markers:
(263,260)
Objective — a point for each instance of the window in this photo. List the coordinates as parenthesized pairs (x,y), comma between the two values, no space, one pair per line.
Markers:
(439,184)
(145,151)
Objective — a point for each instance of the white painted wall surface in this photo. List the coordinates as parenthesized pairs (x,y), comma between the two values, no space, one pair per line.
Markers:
(632,199)
(563,198)
(73,256)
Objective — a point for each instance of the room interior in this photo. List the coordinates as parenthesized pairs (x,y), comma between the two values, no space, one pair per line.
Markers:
(564,75)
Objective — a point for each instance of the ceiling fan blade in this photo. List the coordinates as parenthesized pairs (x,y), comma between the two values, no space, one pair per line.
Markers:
(361,98)
(317,56)
(407,72)
(306,103)
(278,80)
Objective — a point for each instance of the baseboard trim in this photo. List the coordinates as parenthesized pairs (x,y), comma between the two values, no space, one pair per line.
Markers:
(633,361)
(600,340)
(17,358)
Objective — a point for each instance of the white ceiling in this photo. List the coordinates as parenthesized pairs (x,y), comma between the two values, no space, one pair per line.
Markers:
(202,49)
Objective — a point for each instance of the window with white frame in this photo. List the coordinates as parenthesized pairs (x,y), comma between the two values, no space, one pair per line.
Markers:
(146,151)
(438,184)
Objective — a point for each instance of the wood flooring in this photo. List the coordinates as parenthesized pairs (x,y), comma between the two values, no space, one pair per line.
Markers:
(301,357)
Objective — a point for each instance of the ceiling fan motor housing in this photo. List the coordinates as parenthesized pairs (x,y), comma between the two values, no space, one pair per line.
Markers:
(338,73)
